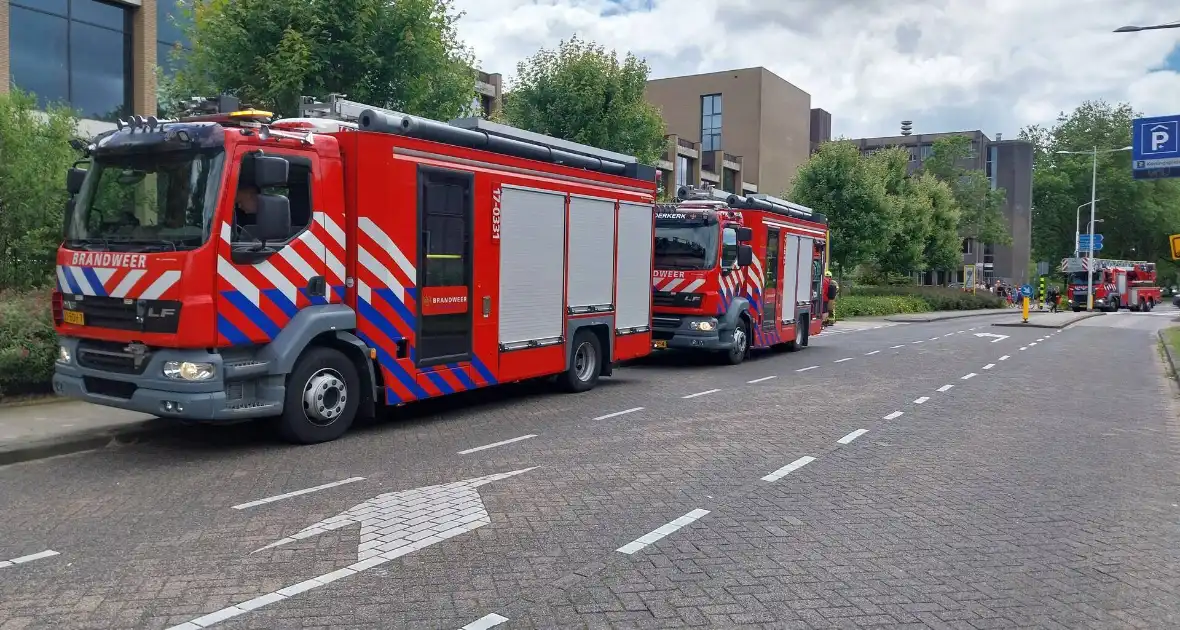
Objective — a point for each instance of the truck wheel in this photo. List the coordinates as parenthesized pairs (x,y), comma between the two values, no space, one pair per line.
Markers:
(323,392)
(800,335)
(741,343)
(585,363)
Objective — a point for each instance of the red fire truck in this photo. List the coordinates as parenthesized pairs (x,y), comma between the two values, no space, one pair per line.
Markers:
(1117,284)
(220,268)
(734,273)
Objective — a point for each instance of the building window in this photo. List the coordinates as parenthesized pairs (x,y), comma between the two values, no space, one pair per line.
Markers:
(925,151)
(711,122)
(967,245)
(990,167)
(73,51)
(729,180)
(171,39)
(681,171)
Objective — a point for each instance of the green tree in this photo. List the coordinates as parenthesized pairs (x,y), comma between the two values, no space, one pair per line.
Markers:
(404,55)
(981,208)
(581,92)
(942,250)
(910,212)
(847,189)
(1137,216)
(34,156)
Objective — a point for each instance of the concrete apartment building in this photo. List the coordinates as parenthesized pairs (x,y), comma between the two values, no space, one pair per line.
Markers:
(100,56)
(1008,164)
(744,130)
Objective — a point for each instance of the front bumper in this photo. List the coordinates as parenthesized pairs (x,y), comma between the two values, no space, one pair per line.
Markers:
(673,332)
(236,393)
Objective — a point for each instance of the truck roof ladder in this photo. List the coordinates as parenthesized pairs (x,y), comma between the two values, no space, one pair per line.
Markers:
(475,133)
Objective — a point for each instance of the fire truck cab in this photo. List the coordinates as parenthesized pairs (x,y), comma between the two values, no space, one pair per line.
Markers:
(1117,284)
(222,268)
(736,273)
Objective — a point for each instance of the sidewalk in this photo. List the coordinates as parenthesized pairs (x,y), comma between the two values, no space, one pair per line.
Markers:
(54,428)
(938,316)
(1060,319)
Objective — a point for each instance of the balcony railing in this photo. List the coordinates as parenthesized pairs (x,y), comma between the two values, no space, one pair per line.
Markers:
(729,157)
(688,144)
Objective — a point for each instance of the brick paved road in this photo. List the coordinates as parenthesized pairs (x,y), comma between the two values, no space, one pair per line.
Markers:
(968,510)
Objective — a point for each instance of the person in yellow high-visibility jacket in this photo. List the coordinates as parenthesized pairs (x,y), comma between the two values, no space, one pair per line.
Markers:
(831,290)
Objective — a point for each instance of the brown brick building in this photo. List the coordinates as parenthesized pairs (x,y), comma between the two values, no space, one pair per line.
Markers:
(100,56)
(742,130)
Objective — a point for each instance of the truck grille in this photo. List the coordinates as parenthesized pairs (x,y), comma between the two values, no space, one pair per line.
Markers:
(111,357)
(665,321)
(153,316)
(671,298)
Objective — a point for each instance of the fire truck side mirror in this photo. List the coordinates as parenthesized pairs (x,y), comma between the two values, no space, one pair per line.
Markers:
(744,234)
(273,218)
(270,171)
(745,255)
(74,178)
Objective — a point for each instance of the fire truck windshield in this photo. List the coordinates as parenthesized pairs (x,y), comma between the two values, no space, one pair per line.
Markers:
(1081,278)
(146,202)
(686,245)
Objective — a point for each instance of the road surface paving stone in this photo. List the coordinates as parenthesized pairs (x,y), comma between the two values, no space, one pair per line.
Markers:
(148,538)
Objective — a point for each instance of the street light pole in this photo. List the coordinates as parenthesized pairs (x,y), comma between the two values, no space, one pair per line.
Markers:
(1077,229)
(1093,202)
(1153,27)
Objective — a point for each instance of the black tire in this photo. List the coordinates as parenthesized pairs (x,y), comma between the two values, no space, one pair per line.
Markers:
(323,393)
(585,363)
(741,344)
(806,331)
(800,339)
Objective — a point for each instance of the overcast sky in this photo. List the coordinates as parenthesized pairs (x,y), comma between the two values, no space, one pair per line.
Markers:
(995,65)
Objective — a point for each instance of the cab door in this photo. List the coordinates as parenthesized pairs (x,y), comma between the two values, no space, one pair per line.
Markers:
(261,287)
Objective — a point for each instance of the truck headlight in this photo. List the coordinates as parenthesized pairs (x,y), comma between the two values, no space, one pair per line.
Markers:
(63,355)
(703,325)
(188,370)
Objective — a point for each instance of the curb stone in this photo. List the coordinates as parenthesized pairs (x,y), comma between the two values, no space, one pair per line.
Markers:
(938,318)
(1065,325)
(85,440)
(1168,354)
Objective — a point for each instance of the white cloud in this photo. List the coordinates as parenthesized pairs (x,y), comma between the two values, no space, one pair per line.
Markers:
(995,65)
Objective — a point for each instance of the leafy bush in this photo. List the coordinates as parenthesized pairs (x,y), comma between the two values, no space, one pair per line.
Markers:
(937,298)
(878,305)
(28,345)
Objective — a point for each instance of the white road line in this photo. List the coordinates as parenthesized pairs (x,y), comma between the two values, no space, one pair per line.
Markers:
(959,332)
(869,354)
(945,388)
(654,535)
(704,393)
(842,360)
(918,341)
(1041,339)
(894,415)
(29,558)
(619,413)
(485,622)
(288,495)
(1005,358)
(969,376)
(759,380)
(1024,348)
(807,368)
(989,366)
(935,338)
(921,399)
(1032,344)
(495,444)
(789,468)
(897,346)
(1059,329)
(847,439)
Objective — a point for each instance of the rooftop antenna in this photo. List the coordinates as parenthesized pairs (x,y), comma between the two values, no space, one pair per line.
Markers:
(907,127)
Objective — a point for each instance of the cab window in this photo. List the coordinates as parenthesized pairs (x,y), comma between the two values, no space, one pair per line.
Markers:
(729,247)
(297,190)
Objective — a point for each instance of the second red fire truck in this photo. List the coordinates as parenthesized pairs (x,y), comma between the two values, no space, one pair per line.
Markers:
(1129,284)
(736,273)
(221,269)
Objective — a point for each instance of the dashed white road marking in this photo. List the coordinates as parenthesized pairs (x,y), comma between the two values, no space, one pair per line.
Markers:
(1032,344)
(1024,347)
(619,413)
(29,558)
(869,354)
(764,378)
(945,388)
(918,341)
(485,622)
(989,366)
(500,443)
(842,360)
(657,534)
(935,338)
(968,376)
(295,493)
(1005,358)
(960,332)
(847,439)
(921,399)
(1059,329)
(789,468)
(1041,339)
(894,415)
(704,393)
(807,368)
(900,345)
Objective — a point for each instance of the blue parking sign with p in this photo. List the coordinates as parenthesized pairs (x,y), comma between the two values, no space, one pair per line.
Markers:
(1155,147)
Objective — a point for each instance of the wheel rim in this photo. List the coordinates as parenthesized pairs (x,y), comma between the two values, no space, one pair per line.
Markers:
(739,341)
(324,397)
(585,362)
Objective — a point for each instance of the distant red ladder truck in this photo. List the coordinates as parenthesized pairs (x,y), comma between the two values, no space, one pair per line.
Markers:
(1129,284)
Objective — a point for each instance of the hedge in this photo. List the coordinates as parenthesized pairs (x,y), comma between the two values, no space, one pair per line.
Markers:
(877,300)
(28,345)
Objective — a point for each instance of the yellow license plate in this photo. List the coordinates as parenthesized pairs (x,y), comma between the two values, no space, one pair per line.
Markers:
(659,344)
(74,317)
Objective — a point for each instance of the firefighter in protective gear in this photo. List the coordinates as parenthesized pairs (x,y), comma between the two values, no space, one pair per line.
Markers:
(831,290)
